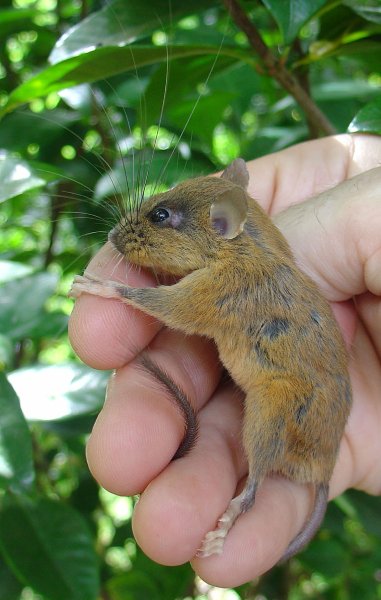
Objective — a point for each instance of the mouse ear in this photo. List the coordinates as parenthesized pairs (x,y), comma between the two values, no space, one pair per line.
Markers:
(228,213)
(237,173)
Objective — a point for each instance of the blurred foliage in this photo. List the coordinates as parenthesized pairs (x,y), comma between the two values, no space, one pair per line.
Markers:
(175,91)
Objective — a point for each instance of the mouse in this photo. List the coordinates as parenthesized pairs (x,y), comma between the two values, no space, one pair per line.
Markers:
(237,283)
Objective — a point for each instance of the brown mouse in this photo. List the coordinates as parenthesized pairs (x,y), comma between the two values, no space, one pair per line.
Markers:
(275,333)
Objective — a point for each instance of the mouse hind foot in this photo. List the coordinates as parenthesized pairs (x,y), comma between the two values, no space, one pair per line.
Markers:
(311,526)
(213,542)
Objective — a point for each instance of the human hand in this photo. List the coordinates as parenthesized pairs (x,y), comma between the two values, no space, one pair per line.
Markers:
(338,244)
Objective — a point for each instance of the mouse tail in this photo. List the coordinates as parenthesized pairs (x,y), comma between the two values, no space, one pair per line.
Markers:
(180,400)
(312,525)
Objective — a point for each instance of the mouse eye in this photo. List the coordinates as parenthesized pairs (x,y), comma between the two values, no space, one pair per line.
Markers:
(160,215)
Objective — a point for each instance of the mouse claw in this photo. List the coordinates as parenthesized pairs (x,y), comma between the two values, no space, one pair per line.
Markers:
(223,520)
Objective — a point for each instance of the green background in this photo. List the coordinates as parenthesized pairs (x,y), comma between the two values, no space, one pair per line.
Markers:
(94,95)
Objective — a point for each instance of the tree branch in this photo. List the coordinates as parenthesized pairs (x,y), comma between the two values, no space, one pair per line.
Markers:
(278,70)
(302,75)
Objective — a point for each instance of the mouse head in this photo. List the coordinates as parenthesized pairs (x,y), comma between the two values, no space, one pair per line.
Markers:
(184,229)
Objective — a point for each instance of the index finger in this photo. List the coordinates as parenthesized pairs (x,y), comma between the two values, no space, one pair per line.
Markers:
(105,333)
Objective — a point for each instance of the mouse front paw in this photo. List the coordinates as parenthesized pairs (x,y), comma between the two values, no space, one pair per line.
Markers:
(89,284)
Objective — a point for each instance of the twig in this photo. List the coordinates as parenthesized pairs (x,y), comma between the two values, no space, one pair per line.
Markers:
(302,75)
(278,70)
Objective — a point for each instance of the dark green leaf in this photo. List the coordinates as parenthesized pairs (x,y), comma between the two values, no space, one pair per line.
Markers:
(334,520)
(13,20)
(206,114)
(53,393)
(6,352)
(368,119)
(167,85)
(292,15)
(133,586)
(368,510)
(335,22)
(22,302)
(367,9)
(122,533)
(72,427)
(10,587)
(273,139)
(49,130)
(16,460)
(85,497)
(344,89)
(104,62)
(365,51)
(150,580)
(16,177)
(48,545)
(327,556)
(121,22)
(242,81)
(364,588)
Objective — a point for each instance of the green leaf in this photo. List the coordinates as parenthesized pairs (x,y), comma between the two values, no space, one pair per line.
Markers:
(104,62)
(292,15)
(368,510)
(344,89)
(57,392)
(166,86)
(121,22)
(367,9)
(49,547)
(22,305)
(273,139)
(16,460)
(147,579)
(6,352)
(50,130)
(132,586)
(14,20)
(10,587)
(326,556)
(10,269)
(16,177)
(368,119)
(208,114)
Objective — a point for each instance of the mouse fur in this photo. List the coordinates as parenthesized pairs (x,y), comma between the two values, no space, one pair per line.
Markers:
(275,333)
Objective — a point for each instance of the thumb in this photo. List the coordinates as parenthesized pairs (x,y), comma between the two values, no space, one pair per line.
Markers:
(335,236)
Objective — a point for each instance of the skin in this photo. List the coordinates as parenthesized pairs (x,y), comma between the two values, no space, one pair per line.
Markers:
(340,248)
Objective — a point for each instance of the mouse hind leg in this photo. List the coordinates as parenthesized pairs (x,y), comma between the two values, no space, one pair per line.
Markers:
(264,449)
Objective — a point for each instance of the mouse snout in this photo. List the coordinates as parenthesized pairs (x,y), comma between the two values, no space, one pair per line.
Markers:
(127,238)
